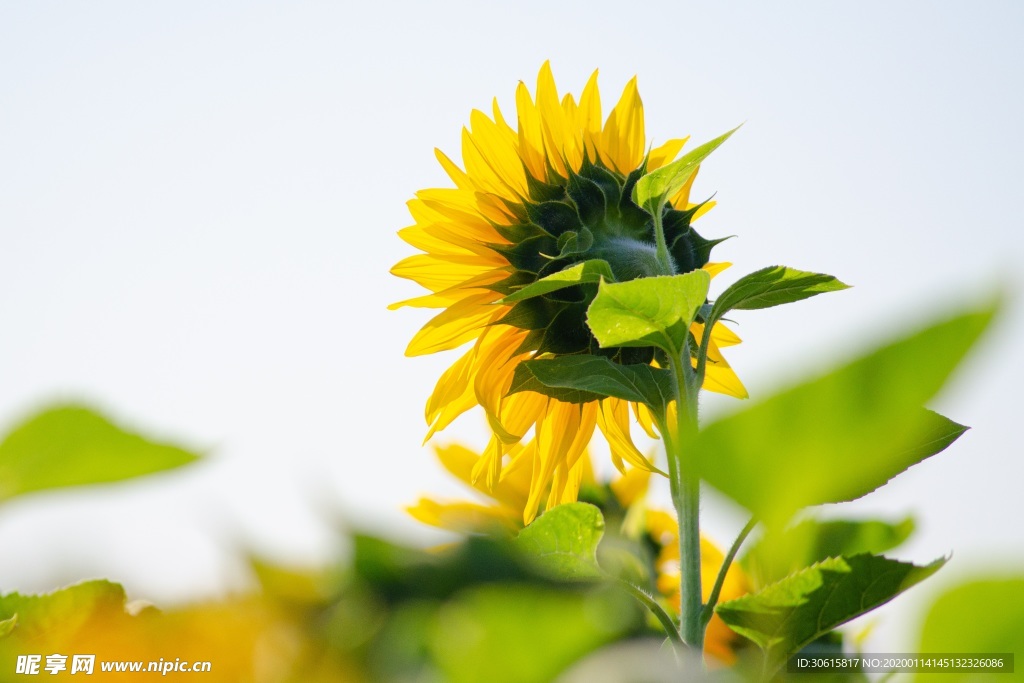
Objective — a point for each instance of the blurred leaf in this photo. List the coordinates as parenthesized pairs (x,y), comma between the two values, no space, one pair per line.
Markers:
(780,553)
(7,625)
(840,436)
(653,189)
(73,445)
(396,573)
(773,286)
(789,614)
(649,311)
(580,379)
(62,613)
(294,585)
(563,541)
(585,271)
(524,633)
(985,616)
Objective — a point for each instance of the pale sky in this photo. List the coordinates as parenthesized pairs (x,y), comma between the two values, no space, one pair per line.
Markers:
(198,207)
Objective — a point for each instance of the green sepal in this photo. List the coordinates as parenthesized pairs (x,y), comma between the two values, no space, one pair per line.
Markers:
(581,379)
(543,192)
(575,242)
(653,311)
(590,199)
(554,217)
(787,615)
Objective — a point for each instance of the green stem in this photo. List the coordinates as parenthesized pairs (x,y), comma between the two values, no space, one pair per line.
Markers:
(686,498)
(709,609)
(656,610)
(664,260)
(702,351)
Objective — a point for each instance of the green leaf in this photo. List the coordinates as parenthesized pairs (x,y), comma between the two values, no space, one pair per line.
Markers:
(981,616)
(773,286)
(524,633)
(580,379)
(398,573)
(842,435)
(653,189)
(73,445)
(650,311)
(586,271)
(780,553)
(62,613)
(563,541)
(789,614)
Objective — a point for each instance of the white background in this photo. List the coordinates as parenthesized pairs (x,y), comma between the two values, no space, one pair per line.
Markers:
(198,207)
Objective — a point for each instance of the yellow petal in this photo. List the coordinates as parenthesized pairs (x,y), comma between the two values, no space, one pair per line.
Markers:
(556,431)
(462,516)
(721,379)
(499,152)
(458,176)
(613,420)
(447,297)
(488,464)
(480,170)
(456,325)
(452,396)
(624,130)
(666,153)
(714,269)
(552,119)
(645,418)
(531,136)
(631,487)
(440,272)
(589,116)
(704,208)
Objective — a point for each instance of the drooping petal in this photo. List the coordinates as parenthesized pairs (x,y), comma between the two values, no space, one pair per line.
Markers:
(453,395)
(613,420)
(463,516)
(556,430)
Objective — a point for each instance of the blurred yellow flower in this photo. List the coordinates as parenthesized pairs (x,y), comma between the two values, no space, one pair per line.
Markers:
(532,200)
(502,510)
(719,641)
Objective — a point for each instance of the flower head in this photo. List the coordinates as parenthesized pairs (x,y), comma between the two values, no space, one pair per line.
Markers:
(531,201)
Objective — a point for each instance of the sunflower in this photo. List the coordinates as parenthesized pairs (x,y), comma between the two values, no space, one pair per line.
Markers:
(530,201)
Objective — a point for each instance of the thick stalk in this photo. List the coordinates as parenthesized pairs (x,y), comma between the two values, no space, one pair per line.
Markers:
(686,498)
